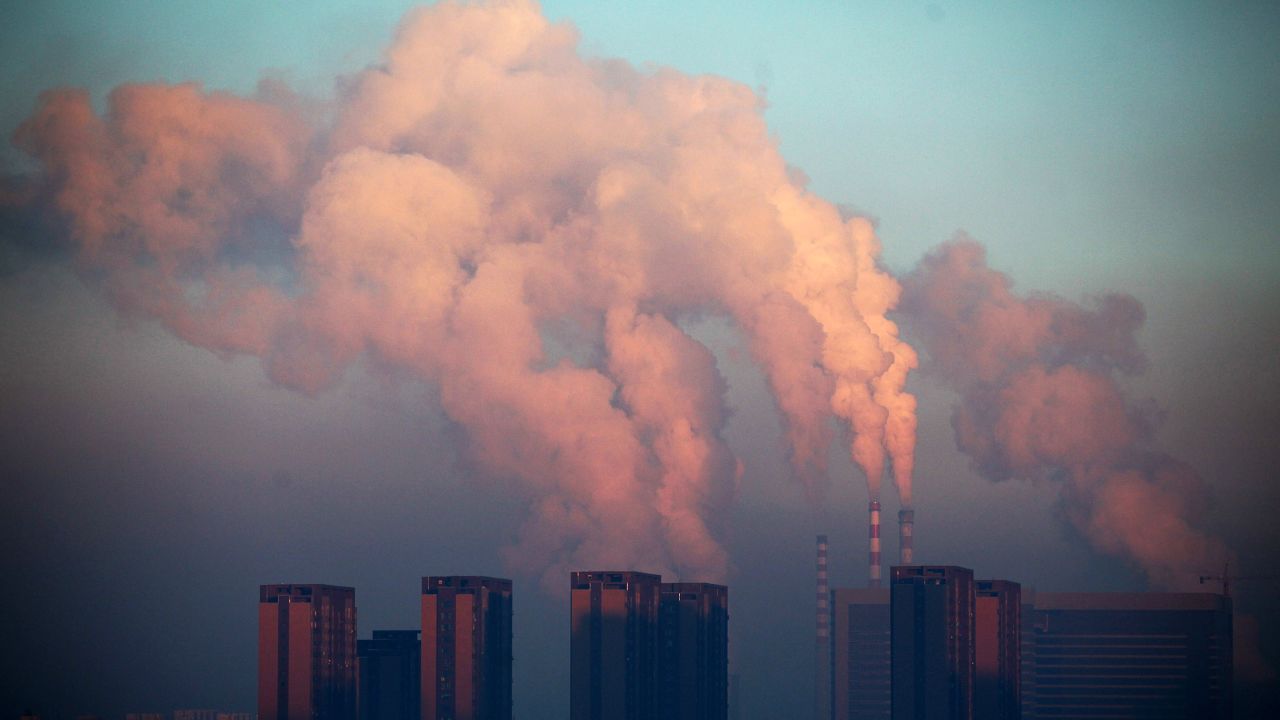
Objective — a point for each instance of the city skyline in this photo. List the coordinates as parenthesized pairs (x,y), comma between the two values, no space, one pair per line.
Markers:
(1085,197)
(954,646)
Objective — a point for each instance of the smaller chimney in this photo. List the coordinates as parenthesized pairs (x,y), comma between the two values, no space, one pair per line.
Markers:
(873,544)
(823,594)
(906,546)
(822,648)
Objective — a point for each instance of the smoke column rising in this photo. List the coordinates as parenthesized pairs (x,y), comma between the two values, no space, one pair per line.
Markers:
(526,229)
(1040,400)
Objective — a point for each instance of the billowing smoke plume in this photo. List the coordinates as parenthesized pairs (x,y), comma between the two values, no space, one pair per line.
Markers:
(525,228)
(1040,400)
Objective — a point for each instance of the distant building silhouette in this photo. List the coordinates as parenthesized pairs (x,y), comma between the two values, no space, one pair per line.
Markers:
(144,716)
(693,662)
(931,641)
(860,659)
(614,645)
(997,650)
(390,678)
(237,716)
(466,648)
(195,714)
(306,652)
(1131,655)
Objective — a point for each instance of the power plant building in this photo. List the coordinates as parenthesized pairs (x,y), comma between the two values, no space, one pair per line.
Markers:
(1130,655)
(614,645)
(938,644)
(931,618)
(860,654)
(693,662)
(306,652)
(466,648)
(389,675)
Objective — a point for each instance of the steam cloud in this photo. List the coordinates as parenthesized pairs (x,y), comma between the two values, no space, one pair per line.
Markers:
(527,229)
(1040,400)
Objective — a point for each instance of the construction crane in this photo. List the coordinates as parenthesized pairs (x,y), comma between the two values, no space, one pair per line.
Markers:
(1226,579)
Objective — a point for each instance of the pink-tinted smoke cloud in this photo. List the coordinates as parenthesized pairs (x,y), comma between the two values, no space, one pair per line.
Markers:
(1040,400)
(527,229)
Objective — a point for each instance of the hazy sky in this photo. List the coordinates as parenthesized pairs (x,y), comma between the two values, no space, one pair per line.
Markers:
(149,485)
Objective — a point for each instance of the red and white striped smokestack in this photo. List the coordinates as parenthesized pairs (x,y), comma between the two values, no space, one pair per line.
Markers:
(873,544)
(823,590)
(906,546)
(822,648)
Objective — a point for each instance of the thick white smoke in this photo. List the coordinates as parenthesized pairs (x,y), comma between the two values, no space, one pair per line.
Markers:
(483,200)
(1041,400)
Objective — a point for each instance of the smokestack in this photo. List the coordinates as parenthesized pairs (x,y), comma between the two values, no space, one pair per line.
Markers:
(822,648)
(873,544)
(906,518)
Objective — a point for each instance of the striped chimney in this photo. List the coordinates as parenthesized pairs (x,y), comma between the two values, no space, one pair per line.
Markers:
(823,594)
(822,648)
(906,546)
(873,537)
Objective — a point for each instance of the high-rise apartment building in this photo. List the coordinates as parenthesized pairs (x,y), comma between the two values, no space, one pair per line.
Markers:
(614,650)
(1131,655)
(931,642)
(306,652)
(860,657)
(997,650)
(390,678)
(466,648)
(693,662)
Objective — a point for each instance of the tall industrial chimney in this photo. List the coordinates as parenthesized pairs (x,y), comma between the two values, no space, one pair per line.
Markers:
(822,648)
(906,519)
(873,545)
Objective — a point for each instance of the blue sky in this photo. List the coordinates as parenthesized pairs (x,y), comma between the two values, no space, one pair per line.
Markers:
(1091,147)
(1114,134)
